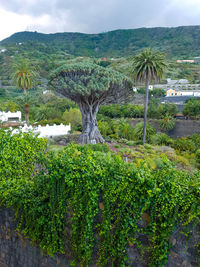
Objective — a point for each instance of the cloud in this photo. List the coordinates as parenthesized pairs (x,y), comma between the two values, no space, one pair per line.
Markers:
(93,16)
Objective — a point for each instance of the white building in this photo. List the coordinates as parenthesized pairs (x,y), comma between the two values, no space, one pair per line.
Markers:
(181,81)
(172,92)
(135,88)
(10,116)
(45,131)
(3,50)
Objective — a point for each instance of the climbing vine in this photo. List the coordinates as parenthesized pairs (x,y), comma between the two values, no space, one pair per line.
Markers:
(92,205)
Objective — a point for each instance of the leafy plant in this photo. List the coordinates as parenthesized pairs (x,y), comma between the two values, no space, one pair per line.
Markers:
(167,123)
(78,199)
(138,130)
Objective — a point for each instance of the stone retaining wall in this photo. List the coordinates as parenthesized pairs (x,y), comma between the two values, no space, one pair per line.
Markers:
(16,251)
(182,127)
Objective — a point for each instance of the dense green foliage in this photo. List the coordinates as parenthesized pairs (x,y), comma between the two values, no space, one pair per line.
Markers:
(158,111)
(79,198)
(148,65)
(18,157)
(167,123)
(138,130)
(24,74)
(73,116)
(122,111)
(87,83)
(178,42)
(155,110)
(89,86)
(192,108)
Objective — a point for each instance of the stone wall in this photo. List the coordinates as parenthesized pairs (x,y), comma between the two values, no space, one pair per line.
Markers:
(16,251)
(182,127)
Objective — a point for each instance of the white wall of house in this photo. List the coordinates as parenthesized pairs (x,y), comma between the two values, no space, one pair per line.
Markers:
(187,93)
(197,93)
(45,131)
(172,92)
(10,116)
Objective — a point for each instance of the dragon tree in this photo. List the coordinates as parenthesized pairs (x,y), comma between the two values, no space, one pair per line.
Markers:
(90,86)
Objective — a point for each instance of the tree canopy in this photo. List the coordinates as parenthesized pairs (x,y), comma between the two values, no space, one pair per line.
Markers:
(89,81)
(90,86)
(24,75)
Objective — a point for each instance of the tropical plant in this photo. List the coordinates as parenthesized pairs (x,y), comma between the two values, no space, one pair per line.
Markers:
(139,131)
(90,86)
(167,123)
(148,65)
(24,76)
(161,139)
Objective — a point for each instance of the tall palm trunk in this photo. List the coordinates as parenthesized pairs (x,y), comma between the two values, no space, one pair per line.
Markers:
(26,113)
(146,107)
(26,109)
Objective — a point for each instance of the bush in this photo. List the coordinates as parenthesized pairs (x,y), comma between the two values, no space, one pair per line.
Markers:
(126,131)
(104,128)
(138,131)
(122,111)
(5,83)
(192,108)
(18,156)
(73,116)
(161,139)
(167,123)
(79,198)
(184,144)
(98,147)
(51,122)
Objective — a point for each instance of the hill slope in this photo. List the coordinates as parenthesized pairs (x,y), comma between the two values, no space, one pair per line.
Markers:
(177,42)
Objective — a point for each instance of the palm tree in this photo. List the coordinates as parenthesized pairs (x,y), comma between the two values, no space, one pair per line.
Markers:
(147,66)
(24,76)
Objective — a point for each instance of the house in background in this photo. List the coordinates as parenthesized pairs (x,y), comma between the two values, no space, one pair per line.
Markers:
(136,88)
(172,92)
(10,116)
(173,82)
(185,61)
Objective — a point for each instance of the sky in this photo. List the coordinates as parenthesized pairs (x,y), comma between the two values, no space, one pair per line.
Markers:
(94,16)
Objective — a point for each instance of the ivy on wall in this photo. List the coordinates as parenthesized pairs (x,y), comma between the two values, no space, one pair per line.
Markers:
(80,199)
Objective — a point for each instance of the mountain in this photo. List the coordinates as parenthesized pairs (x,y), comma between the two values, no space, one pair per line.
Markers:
(177,42)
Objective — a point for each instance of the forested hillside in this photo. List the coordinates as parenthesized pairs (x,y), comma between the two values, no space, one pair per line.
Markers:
(176,42)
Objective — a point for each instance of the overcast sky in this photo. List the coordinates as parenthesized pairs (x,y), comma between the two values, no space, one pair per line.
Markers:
(94,16)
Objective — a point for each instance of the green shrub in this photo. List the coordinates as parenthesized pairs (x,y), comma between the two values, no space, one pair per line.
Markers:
(126,131)
(161,139)
(78,199)
(198,156)
(192,108)
(138,131)
(18,155)
(73,116)
(122,111)
(184,144)
(98,147)
(167,123)
(51,122)
(103,127)
(5,83)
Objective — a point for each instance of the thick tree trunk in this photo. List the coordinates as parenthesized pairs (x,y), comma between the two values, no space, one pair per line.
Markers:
(145,108)
(90,132)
